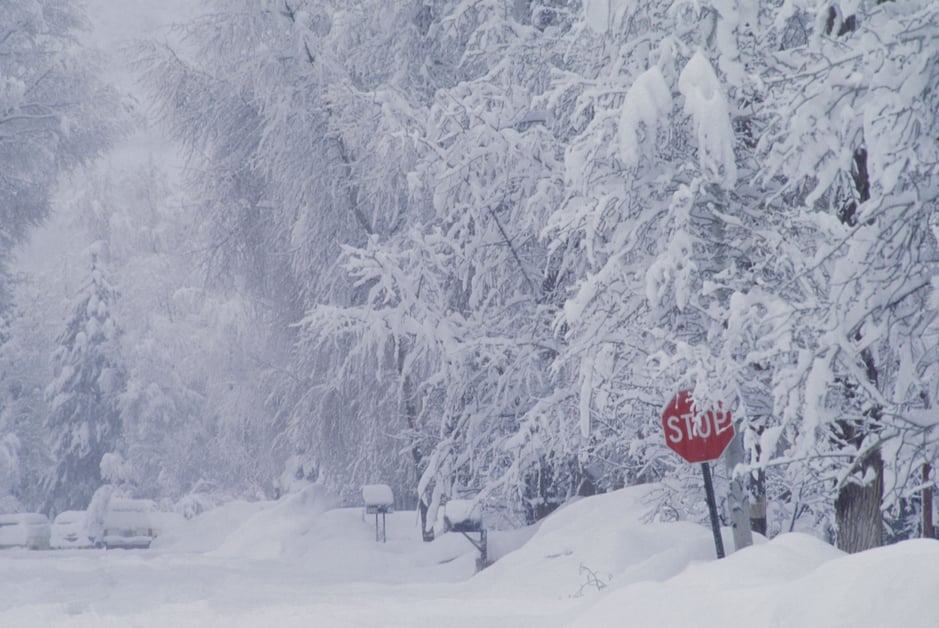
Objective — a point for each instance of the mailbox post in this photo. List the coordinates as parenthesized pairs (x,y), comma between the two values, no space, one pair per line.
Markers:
(379,500)
(465,516)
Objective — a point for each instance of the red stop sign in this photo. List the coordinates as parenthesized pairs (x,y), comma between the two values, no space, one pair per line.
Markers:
(696,437)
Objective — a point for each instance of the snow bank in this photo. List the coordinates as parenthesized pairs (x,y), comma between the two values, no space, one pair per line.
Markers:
(596,562)
(795,580)
(209,530)
(274,533)
(605,551)
(602,541)
(330,544)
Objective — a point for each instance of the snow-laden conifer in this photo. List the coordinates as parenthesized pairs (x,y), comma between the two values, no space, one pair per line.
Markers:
(84,421)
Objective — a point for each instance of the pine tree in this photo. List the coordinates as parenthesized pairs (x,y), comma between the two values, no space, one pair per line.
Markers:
(84,421)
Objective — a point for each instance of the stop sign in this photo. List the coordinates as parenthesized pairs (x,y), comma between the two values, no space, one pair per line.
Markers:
(696,437)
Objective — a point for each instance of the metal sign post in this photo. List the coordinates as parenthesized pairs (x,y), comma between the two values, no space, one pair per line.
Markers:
(712,509)
(699,437)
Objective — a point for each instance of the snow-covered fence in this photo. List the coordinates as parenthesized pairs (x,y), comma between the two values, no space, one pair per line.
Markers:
(379,500)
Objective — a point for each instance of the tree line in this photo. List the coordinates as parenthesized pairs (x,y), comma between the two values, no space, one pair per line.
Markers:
(475,247)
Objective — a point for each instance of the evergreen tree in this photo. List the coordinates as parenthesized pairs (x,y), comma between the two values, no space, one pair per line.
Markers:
(84,421)
(26,346)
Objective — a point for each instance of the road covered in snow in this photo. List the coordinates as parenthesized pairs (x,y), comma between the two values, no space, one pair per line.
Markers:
(286,563)
(141,589)
(299,562)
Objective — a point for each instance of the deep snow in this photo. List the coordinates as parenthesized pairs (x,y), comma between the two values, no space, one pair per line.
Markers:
(301,562)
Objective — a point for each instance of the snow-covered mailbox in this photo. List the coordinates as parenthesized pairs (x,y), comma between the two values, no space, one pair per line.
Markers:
(379,500)
(465,516)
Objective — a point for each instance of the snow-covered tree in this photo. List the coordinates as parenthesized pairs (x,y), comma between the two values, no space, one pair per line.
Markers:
(458,302)
(25,348)
(857,144)
(54,111)
(308,137)
(10,471)
(485,242)
(655,228)
(192,408)
(84,421)
(55,114)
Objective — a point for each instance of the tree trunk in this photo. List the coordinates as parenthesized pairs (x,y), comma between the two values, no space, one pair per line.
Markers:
(417,454)
(758,503)
(928,531)
(858,516)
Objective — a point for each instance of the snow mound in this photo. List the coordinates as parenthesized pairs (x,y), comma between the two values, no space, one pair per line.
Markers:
(602,541)
(595,562)
(794,580)
(272,533)
(209,530)
(609,551)
(330,544)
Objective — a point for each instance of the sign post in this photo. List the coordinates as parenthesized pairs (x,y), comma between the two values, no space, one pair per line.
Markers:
(699,437)
(712,509)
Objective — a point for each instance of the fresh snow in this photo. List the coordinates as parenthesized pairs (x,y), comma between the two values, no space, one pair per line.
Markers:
(377,495)
(707,106)
(600,561)
(463,511)
(602,16)
(648,100)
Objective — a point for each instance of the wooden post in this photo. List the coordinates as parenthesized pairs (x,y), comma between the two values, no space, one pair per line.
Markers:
(712,509)
(737,500)
(928,531)
(380,531)
(758,505)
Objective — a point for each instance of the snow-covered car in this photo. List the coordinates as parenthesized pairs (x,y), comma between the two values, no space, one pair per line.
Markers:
(126,523)
(24,529)
(69,530)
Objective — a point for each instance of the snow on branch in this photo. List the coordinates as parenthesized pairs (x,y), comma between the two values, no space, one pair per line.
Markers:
(647,101)
(707,106)
(602,16)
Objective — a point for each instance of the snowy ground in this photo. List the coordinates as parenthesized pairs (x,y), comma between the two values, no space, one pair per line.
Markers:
(297,563)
